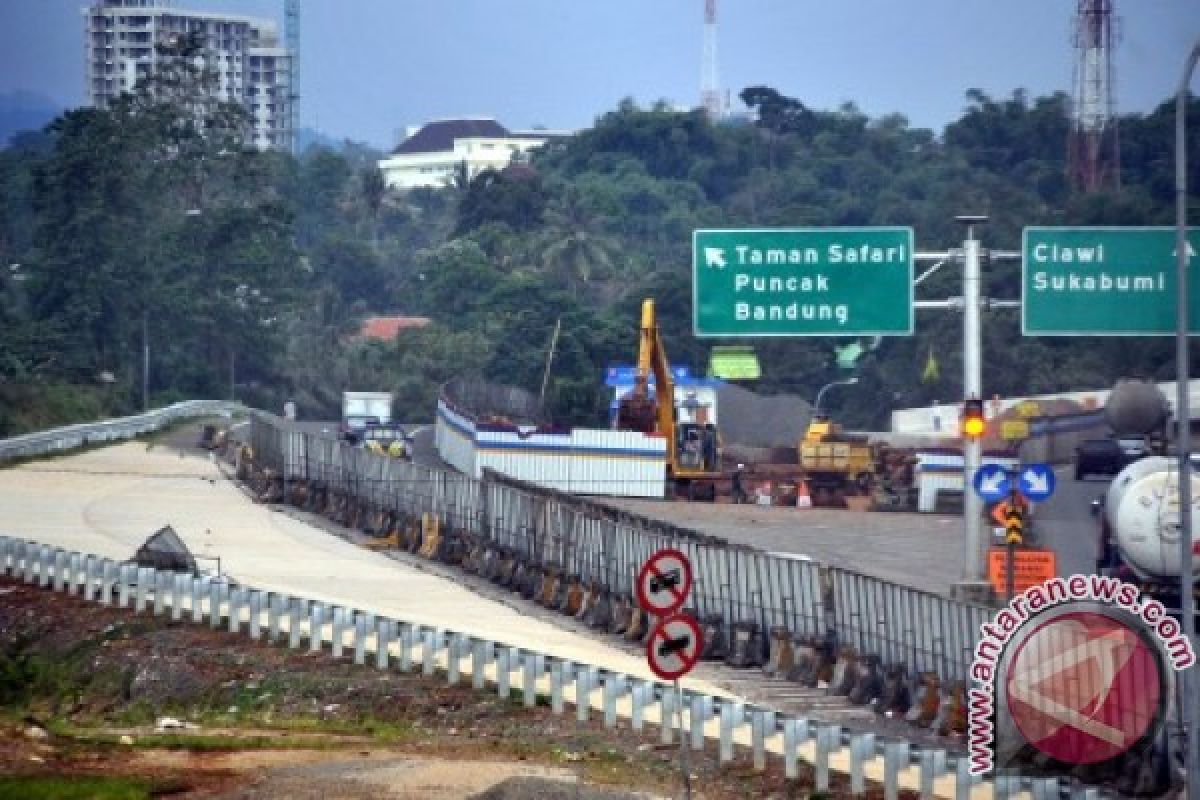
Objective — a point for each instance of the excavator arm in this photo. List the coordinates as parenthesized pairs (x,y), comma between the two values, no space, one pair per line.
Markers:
(652,360)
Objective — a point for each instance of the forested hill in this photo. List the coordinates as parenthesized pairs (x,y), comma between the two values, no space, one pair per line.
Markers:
(266,263)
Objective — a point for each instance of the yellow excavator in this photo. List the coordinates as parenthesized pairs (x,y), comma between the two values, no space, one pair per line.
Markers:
(693,448)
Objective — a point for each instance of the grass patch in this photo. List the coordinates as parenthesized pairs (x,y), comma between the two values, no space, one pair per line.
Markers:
(382,731)
(48,787)
(206,743)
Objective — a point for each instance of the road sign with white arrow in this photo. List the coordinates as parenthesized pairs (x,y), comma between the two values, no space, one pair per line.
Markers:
(1036,481)
(991,482)
(802,282)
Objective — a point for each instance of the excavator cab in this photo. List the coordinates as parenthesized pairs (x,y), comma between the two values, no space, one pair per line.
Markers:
(697,448)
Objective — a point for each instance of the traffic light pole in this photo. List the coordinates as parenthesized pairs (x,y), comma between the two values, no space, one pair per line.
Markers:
(974,584)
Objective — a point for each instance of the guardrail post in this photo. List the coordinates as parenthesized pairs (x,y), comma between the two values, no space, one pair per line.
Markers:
(762,725)
(637,705)
(339,631)
(530,674)
(296,611)
(559,674)
(109,575)
(502,671)
(275,608)
(161,581)
(214,604)
(731,717)
(795,733)
(93,577)
(481,655)
(615,687)
(316,624)
(862,750)
(384,631)
(963,779)
(144,578)
(256,606)
(45,559)
(407,635)
(895,758)
(702,708)
(363,623)
(585,680)
(237,598)
(828,739)
(1044,789)
(1006,783)
(454,654)
(933,764)
(28,554)
(429,648)
(60,570)
(74,568)
(177,593)
(666,711)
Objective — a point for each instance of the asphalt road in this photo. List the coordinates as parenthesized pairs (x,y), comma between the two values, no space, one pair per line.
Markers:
(920,550)
(1065,523)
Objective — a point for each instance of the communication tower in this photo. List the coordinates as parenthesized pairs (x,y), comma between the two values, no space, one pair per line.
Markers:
(710,94)
(291,25)
(1093,153)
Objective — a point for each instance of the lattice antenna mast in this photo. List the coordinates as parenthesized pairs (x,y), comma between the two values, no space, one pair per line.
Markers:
(291,25)
(710,93)
(1093,151)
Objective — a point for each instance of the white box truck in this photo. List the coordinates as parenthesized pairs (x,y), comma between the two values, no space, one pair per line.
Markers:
(361,410)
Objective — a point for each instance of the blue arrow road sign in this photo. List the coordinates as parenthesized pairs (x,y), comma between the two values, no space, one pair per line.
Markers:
(1036,481)
(991,482)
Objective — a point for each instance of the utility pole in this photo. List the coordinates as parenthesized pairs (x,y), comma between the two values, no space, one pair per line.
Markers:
(974,584)
(1183,439)
(145,363)
(549,359)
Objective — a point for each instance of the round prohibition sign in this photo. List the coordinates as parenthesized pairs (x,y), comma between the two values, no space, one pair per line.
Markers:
(664,582)
(674,646)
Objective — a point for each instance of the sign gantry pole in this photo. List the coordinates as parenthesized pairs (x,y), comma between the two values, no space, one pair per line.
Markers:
(974,584)
(1191,717)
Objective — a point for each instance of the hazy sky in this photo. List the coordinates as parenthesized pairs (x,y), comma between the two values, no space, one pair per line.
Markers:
(368,68)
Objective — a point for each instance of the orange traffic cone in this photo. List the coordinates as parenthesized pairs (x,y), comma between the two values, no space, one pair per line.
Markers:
(803,498)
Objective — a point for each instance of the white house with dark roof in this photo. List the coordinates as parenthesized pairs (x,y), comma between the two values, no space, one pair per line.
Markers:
(430,156)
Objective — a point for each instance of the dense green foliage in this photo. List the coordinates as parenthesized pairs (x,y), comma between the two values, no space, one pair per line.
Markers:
(155,211)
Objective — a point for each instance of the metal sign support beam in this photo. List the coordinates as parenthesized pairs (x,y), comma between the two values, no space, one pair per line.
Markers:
(1191,719)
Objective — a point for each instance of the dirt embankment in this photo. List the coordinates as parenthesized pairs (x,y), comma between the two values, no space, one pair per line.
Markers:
(95,696)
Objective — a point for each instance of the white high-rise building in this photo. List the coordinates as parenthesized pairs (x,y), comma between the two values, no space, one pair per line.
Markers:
(252,66)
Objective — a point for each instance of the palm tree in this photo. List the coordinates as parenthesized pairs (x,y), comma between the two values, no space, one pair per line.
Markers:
(576,250)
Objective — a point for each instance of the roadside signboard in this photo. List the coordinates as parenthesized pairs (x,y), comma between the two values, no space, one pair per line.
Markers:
(802,282)
(1013,429)
(1037,481)
(991,482)
(674,646)
(1028,409)
(1103,282)
(663,582)
(1031,566)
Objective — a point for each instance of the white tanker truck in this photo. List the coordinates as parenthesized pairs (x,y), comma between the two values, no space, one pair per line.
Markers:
(1140,522)
(1140,525)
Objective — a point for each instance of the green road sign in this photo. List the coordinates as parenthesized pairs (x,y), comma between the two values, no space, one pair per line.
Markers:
(802,282)
(1103,282)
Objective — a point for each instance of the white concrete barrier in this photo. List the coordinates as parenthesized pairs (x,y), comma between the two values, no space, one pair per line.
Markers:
(864,757)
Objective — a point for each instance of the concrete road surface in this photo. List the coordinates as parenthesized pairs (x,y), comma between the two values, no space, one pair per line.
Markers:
(108,501)
(924,551)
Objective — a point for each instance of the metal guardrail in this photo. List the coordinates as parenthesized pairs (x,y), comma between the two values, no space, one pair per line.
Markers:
(72,437)
(392,643)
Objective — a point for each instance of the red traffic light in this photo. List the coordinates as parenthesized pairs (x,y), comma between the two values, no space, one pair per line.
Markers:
(974,426)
